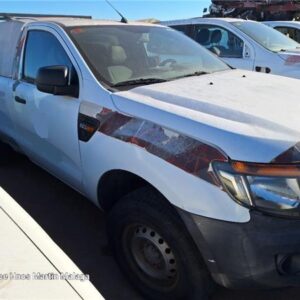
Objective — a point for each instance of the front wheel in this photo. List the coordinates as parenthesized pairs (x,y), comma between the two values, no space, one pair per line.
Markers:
(154,249)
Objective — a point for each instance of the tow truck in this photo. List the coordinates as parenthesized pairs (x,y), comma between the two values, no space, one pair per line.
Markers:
(260,10)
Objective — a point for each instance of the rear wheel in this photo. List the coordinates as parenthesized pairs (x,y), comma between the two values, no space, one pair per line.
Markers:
(155,250)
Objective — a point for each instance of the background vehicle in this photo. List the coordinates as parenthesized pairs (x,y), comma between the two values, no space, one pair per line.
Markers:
(244,44)
(288,28)
(159,133)
(32,265)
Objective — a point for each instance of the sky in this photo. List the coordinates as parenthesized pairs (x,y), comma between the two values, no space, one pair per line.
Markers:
(132,9)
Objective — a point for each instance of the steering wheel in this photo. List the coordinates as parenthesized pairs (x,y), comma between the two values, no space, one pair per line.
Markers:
(169,61)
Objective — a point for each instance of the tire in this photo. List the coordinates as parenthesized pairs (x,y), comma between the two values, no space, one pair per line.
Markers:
(154,249)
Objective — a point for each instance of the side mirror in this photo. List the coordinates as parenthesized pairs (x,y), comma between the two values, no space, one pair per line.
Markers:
(55,80)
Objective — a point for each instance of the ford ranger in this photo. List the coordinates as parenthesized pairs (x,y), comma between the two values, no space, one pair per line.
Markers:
(196,164)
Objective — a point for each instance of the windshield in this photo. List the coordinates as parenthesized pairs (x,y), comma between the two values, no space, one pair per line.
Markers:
(266,36)
(125,55)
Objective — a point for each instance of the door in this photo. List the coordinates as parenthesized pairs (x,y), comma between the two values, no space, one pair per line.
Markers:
(46,124)
(225,44)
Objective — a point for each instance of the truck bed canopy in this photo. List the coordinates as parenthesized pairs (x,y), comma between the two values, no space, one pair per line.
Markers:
(9,36)
(11,25)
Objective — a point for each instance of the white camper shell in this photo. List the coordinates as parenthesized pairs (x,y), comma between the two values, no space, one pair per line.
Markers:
(8,53)
(189,157)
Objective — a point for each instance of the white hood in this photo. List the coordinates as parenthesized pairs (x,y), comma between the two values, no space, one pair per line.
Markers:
(250,116)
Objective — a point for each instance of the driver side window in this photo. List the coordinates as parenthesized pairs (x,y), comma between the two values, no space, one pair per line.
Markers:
(43,50)
(219,40)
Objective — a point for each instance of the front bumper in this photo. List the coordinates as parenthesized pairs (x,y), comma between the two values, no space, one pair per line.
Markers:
(263,253)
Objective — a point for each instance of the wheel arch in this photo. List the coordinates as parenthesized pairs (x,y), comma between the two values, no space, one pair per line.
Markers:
(115,184)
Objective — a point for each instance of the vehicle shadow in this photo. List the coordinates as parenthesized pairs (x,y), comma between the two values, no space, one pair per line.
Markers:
(78,227)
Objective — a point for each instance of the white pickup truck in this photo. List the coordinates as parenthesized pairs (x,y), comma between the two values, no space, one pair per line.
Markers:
(196,164)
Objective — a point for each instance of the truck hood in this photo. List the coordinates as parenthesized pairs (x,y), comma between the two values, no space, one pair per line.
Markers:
(249,116)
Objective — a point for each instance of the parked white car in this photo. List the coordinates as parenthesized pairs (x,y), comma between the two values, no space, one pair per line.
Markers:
(244,44)
(196,164)
(289,28)
(32,265)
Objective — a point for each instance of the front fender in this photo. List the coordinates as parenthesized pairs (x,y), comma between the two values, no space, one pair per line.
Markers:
(186,191)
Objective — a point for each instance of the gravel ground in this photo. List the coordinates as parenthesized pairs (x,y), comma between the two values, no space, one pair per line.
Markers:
(78,227)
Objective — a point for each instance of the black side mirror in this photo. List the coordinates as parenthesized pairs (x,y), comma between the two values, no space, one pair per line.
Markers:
(55,80)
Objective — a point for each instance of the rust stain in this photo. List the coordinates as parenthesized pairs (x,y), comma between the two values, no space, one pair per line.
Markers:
(182,151)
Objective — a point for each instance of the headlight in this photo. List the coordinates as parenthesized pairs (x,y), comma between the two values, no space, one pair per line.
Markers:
(268,187)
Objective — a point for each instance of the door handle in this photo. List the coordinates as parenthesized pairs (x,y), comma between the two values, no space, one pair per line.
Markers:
(263,69)
(20,100)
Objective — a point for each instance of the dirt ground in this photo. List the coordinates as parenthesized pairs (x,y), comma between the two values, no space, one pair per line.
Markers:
(78,227)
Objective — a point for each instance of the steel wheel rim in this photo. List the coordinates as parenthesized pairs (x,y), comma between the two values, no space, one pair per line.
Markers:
(152,254)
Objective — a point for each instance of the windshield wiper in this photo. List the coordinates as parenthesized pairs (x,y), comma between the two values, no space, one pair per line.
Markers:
(291,49)
(140,81)
(193,74)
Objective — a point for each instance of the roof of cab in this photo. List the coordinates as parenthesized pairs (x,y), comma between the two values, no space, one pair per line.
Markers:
(202,20)
(281,22)
(71,22)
